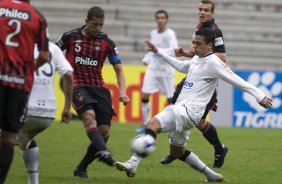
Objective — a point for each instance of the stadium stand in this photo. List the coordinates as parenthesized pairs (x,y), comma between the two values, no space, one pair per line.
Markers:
(252,28)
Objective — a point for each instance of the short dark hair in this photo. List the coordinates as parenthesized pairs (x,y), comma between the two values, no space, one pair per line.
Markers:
(209,2)
(96,12)
(161,11)
(207,33)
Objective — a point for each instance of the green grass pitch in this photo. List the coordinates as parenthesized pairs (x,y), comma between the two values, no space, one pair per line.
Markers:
(255,156)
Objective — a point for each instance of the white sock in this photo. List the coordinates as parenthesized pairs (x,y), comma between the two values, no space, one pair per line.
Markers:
(145,111)
(30,157)
(197,164)
(135,159)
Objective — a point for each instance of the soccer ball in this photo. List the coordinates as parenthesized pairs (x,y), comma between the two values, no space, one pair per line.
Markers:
(143,145)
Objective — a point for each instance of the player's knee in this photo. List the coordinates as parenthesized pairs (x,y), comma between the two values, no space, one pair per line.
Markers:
(145,98)
(154,125)
(8,137)
(202,124)
(88,118)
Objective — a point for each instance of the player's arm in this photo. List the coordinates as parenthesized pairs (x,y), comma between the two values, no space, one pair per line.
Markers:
(67,88)
(219,46)
(181,66)
(115,60)
(121,83)
(220,70)
(42,44)
(42,58)
(65,70)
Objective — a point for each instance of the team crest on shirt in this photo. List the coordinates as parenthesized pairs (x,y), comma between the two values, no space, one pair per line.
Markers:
(97,47)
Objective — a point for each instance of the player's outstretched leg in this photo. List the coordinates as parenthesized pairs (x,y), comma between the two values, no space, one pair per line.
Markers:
(191,159)
(89,157)
(97,140)
(30,157)
(220,150)
(130,166)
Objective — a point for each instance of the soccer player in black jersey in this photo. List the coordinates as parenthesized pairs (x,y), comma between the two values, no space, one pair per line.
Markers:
(205,13)
(86,50)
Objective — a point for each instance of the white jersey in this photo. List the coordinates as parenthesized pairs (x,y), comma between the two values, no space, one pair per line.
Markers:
(201,81)
(42,100)
(166,40)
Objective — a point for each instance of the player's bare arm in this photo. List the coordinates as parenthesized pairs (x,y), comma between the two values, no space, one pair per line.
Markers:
(42,58)
(68,88)
(266,103)
(121,83)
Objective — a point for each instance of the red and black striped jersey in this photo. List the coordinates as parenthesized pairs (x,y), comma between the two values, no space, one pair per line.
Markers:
(21,27)
(219,41)
(87,56)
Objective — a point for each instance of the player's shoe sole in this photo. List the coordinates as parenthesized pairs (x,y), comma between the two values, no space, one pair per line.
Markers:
(123,167)
(219,158)
(219,178)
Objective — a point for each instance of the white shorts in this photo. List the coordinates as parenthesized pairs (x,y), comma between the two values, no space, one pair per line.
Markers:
(32,126)
(153,83)
(167,119)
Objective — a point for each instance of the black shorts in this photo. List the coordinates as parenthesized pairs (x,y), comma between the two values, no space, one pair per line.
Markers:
(12,108)
(96,98)
(212,105)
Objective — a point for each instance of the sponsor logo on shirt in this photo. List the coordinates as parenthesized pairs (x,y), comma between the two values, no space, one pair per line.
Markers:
(188,84)
(14,13)
(86,61)
(247,112)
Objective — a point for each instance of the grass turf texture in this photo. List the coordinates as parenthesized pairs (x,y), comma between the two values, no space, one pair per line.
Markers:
(254,157)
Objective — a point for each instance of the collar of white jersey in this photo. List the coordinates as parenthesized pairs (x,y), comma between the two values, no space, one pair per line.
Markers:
(210,53)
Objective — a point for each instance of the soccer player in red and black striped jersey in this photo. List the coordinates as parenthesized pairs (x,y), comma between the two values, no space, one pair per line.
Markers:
(21,27)
(86,50)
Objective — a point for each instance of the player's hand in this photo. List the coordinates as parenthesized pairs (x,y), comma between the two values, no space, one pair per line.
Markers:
(266,103)
(66,116)
(151,47)
(124,99)
(179,52)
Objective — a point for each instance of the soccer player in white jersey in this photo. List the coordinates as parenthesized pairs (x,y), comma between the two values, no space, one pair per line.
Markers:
(204,71)
(159,76)
(41,108)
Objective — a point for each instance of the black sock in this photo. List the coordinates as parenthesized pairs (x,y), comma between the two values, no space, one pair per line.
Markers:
(88,158)
(185,155)
(210,134)
(151,132)
(6,157)
(96,139)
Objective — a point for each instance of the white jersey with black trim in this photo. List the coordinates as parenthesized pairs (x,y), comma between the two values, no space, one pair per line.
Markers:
(42,99)
(201,81)
(167,41)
